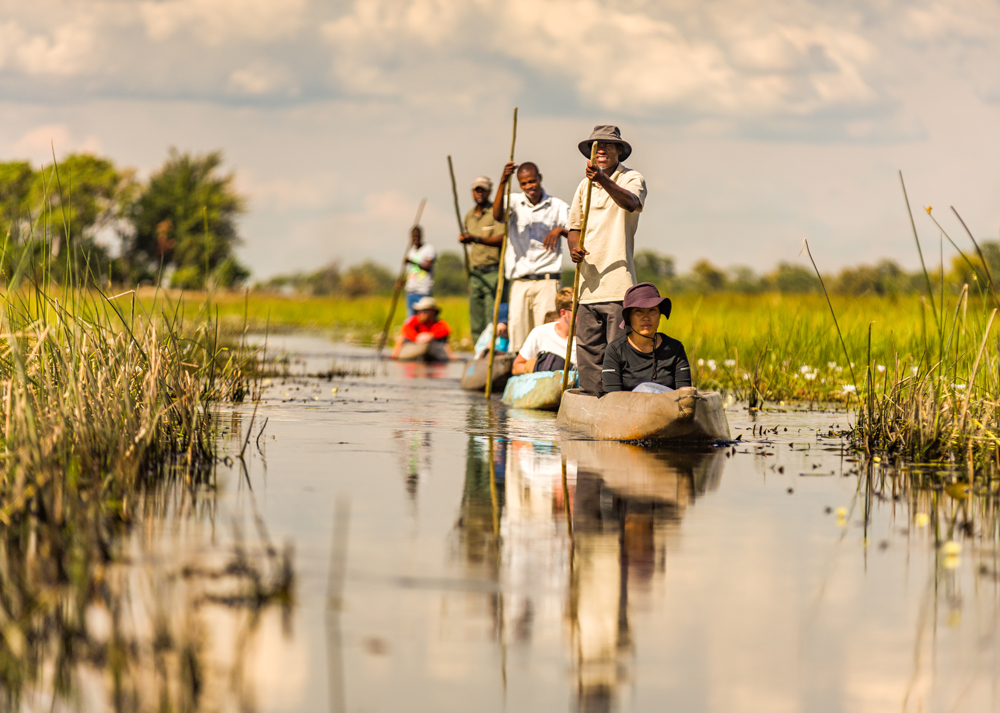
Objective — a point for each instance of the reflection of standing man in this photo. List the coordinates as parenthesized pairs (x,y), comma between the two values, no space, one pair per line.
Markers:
(420,260)
(534,253)
(484,257)
(617,199)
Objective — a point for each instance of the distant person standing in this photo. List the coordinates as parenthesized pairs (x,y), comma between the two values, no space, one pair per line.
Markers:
(618,196)
(534,251)
(484,256)
(420,259)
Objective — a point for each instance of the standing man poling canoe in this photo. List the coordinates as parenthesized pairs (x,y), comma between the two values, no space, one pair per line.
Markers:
(534,251)
(484,256)
(618,196)
(420,261)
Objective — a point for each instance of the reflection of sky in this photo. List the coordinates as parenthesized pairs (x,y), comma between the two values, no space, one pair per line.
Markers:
(755,124)
(756,599)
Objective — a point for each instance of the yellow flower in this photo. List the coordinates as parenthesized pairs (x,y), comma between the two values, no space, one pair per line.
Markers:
(922,519)
(928,210)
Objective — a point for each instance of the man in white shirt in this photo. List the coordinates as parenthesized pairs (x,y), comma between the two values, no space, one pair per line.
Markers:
(549,337)
(420,260)
(533,262)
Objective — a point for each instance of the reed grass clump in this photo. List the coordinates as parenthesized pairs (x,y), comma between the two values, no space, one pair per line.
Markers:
(100,406)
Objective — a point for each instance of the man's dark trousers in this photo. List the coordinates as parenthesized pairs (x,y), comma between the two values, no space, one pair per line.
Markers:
(596,326)
(482,293)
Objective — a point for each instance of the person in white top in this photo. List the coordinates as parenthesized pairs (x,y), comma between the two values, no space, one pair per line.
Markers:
(420,260)
(533,262)
(549,337)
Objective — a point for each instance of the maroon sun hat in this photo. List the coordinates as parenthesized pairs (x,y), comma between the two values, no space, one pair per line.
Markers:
(643,295)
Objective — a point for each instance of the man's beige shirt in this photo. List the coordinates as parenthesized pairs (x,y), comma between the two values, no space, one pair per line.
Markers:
(607,271)
(482,226)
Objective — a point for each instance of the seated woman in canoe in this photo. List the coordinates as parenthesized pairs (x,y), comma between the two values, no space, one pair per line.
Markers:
(424,327)
(545,347)
(644,360)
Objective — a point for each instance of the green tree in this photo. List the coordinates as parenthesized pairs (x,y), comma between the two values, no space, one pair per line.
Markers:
(793,279)
(885,278)
(368,278)
(54,216)
(744,279)
(186,219)
(976,276)
(708,278)
(16,178)
(449,274)
(653,267)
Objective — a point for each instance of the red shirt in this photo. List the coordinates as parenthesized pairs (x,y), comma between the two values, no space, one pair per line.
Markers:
(413,326)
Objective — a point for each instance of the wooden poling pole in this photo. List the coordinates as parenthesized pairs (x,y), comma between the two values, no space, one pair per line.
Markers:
(458,217)
(576,276)
(503,253)
(402,278)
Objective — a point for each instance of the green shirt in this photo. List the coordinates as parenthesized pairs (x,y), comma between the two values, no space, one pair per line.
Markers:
(481,256)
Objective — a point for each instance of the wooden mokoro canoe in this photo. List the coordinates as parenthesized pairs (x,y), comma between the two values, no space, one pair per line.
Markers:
(538,390)
(684,414)
(474,374)
(423,351)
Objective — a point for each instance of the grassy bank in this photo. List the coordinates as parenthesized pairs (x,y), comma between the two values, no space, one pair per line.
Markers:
(741,341)
(354,320)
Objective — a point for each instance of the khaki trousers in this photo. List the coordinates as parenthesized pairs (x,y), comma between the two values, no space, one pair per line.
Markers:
(529,301)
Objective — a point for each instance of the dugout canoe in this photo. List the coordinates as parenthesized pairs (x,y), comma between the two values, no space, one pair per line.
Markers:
(539,390)
(423,351)
(474,373)
(683,415)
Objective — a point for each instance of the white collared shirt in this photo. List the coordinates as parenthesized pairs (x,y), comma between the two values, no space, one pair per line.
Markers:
(526,231)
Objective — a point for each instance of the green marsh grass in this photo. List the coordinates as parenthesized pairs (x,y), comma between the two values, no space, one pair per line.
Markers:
(106,405)
(355,320)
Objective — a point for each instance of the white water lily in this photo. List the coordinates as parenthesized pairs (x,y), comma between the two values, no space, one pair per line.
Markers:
(712,364)
(810,376)
(881,368)
(831,365)
(730,362)
(849,388)
(805,369)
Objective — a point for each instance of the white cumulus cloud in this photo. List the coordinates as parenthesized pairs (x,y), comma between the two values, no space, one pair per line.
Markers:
(218,21)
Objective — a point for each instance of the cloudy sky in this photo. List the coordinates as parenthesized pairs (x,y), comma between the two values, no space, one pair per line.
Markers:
(755,123)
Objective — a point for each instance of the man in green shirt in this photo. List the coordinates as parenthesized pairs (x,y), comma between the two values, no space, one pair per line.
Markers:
(483,237)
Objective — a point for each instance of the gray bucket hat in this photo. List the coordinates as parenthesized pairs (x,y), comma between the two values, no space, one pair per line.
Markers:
(610,134)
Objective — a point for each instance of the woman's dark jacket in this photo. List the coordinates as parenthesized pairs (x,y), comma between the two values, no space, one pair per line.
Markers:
(625,367)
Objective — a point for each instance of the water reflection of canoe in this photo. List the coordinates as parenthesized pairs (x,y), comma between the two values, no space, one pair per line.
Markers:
(684,414)
(539,390)
(474,374)
(423,351)
(631,471)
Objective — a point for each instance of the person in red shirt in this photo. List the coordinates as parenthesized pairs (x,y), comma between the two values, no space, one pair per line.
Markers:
(424,326)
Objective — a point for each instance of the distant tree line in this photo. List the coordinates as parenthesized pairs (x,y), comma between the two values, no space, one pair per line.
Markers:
(885,278)
(177,228)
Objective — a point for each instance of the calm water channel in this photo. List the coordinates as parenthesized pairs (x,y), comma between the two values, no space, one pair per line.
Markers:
(437,570)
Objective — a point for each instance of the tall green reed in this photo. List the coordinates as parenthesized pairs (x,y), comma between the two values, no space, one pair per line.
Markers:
(104,401)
